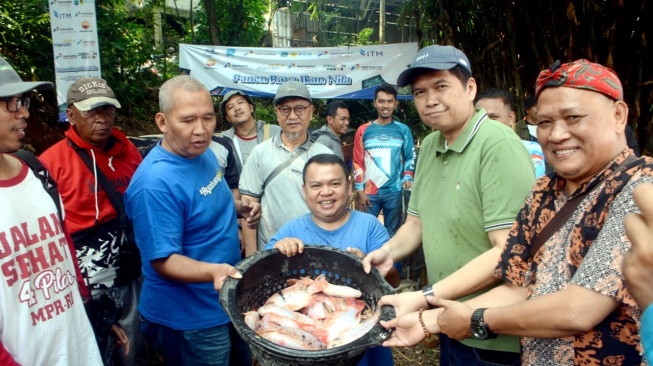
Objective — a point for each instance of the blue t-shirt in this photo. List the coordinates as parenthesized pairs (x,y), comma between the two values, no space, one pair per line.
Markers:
(182,206)
(535,151)
(362,231)
(391,149)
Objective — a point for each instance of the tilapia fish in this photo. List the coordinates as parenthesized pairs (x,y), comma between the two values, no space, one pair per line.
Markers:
(312,314)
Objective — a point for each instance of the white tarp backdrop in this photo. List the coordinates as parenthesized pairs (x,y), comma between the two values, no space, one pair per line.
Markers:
(75,45)
(329,72)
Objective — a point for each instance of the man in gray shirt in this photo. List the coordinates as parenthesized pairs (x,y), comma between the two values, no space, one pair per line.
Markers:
(273,172)
(246,132)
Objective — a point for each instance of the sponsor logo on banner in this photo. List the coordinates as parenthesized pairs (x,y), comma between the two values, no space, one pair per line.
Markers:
(259,53)
(341,54)
(63,30)
(371,53)
(86,43)
(87,55)
(304,67)
(62,44)
(210,62)
(84,14)
(334,67)
(61,56)
(271,67)
(235,66)
(61,2)
(366,67)
(62,15)
(231,52)
(77,69)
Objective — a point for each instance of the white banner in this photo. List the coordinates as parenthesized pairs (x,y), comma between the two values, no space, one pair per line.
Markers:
(328,72)
(75,45)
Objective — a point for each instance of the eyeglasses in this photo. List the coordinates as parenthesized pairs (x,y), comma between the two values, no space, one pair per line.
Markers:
(104,109)
(14,103)
(298,109)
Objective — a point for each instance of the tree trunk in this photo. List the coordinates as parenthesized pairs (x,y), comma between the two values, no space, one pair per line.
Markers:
(214,28)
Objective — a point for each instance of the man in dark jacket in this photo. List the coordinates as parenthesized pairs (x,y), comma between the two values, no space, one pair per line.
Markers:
(337,124)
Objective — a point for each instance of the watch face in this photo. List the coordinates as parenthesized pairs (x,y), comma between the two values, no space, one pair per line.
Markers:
(479,331)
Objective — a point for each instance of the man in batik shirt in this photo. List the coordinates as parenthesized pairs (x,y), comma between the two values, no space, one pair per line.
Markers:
(567,298)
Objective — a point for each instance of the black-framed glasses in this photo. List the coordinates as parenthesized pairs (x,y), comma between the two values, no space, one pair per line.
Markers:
(298,109)
(14,103)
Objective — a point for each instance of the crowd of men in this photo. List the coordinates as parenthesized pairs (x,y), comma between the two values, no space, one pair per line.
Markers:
(536,234)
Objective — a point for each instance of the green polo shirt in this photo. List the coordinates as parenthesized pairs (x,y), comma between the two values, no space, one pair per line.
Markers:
(463,191)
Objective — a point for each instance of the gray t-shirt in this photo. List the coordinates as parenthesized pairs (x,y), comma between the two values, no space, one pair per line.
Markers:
(244,147)
(283,199)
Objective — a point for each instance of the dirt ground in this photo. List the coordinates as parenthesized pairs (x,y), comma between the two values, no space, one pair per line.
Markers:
(425,353)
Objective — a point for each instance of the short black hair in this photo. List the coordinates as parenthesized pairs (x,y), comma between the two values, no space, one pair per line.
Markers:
(386,88)
(332,108)
(325,159)
(461,73)
(495,93)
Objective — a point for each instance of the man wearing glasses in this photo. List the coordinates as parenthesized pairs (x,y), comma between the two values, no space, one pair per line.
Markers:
(272,174)
(110,264)
(42,323)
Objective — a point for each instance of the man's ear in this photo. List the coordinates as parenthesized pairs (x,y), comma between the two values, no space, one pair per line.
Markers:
(161,122)
(513,118)
(69,115)
(471,89)
(329,120)
(620,115)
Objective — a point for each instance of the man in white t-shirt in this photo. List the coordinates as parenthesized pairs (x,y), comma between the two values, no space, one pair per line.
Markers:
(42,316)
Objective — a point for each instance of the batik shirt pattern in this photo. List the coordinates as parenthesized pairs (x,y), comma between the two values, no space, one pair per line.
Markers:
(586,251)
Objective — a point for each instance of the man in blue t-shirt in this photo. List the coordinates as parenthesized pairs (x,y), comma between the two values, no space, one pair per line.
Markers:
(184,219)
(384,161)
(327,190)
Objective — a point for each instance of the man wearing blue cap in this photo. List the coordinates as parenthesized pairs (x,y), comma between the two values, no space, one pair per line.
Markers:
(471,179)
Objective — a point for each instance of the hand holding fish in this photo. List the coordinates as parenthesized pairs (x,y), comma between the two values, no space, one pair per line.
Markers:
(290,246)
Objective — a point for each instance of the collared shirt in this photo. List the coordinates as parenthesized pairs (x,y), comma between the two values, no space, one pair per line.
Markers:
(283,199)
(586,251)
(464,190)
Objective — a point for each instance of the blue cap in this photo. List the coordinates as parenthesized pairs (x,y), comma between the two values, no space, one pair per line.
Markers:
(434,58)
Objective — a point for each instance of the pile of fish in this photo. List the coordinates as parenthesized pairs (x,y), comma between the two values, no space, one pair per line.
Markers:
(312,315)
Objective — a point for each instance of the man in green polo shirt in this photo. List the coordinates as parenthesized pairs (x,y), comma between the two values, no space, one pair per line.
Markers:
(472,177)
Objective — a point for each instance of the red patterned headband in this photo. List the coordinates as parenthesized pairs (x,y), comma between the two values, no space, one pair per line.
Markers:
(581,74)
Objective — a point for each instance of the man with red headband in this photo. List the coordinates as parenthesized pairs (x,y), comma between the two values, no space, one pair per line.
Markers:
(564,292)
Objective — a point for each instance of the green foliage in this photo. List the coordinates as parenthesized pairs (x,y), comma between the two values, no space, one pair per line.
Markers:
(241,23)
(364,36)
(25,38)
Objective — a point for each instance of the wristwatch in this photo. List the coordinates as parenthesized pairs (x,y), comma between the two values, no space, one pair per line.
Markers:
(428,291)
(478,326)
